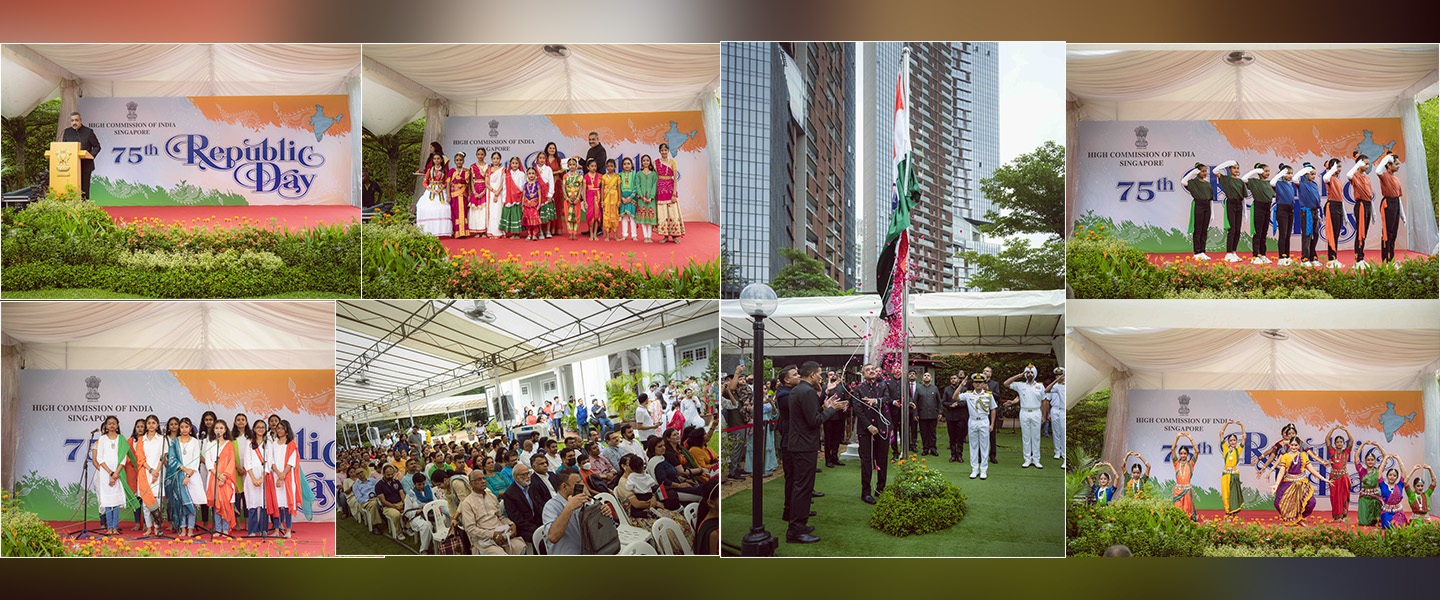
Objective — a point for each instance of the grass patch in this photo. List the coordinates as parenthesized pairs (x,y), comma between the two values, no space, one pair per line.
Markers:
(1016,512)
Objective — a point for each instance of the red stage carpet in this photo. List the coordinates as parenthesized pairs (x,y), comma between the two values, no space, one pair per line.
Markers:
(289,217)
(310,539)
(701,243)
(1270,518)
(1345,256)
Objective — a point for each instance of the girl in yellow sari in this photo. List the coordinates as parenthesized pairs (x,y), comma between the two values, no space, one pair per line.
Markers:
(1294,494)
(1136,484)
(610,193)
(1184,461)
(1231,452)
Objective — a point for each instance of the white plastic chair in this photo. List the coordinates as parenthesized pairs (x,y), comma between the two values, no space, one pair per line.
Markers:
(435,513)
(650,465)
(628,533)
(538,539)
(691,511)
(637,548)
(663,531)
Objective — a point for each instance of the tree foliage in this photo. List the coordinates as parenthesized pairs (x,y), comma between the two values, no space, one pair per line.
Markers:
(1429,126)
(392,159)
(1019,266)
(25,139)
(1028,194)
(804,277)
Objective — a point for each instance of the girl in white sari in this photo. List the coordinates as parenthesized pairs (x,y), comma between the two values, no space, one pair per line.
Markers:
(495,178)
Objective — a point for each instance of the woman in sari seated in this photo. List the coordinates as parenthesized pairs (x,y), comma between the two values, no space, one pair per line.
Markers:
(639,494)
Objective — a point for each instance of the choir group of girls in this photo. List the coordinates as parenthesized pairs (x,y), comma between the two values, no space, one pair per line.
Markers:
(634,200)
(1383,492)
(184,471)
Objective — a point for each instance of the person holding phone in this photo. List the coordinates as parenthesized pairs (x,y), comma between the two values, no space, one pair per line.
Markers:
(561,517)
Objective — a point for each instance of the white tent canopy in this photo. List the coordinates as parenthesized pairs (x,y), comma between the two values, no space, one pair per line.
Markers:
(394,356)
(1195,82)
(1025,321)
(170,335)
(36,73)
(524,79)
(1251,344)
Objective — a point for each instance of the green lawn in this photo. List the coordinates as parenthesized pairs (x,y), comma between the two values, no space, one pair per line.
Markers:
(1016,512)
(92,293)
(351,539)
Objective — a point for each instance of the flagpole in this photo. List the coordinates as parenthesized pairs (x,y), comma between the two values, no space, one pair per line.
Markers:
(905,278)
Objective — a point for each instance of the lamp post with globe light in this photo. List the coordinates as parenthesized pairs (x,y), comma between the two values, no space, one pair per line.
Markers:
(758,301)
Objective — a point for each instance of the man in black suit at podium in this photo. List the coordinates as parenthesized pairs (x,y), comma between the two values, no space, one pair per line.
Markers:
(78,132)
(808,414)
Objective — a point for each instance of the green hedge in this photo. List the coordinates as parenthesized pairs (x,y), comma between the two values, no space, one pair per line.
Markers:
(175,283)
(1099,266)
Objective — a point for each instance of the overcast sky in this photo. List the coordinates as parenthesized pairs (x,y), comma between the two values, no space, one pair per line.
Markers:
(1032,96)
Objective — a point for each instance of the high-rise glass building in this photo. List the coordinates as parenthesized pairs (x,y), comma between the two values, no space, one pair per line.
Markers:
(955,132)
(789,158)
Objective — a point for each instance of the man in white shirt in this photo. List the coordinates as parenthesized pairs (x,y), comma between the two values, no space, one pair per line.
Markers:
(628,443)
(1055,396)
(644,421)
(527,450)
(1031,394)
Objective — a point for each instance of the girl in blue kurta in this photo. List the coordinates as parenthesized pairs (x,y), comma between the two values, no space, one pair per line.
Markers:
(1308,207)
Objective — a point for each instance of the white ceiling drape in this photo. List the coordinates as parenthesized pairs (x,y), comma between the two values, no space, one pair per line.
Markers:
(171,335)
(32,74)
(522,79)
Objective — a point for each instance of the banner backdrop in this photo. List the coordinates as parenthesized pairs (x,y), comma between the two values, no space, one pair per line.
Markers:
(1392,419)
(221,150)
(1129,172)
(58,409)
(623,135)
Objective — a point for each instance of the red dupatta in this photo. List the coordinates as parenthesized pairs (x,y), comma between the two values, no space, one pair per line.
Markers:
(224,463)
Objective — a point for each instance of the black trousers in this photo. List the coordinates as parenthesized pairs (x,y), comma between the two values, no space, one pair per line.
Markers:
(992,441)
(87,166)
(1200,220)
(1362,227)
(958,430)
(1261,220)
(927,432)
(1390,215)
(1285,225)
(872,459)
(1309,233)
(1234,223)
(914,439)
(1334,222)
(834,436)
(801,487)
(788,470)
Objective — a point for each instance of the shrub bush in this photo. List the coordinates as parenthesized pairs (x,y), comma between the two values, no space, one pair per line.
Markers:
(1097,266)
(24,534)
(919,501)
(1284,552)
(1148,526)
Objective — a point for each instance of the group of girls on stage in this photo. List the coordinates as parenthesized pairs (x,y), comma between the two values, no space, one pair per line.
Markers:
(187,472)
(636,200)
(1383,493)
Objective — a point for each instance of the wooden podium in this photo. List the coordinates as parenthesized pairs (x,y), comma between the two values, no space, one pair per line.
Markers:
(65,160)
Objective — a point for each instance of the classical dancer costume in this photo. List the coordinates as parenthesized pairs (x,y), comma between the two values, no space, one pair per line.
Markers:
(1368,511)
(460,187)
(1230,488)
(432,209)
(1392,506)
(1295,496)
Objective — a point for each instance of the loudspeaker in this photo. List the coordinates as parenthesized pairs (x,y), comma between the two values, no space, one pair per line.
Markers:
(507,412)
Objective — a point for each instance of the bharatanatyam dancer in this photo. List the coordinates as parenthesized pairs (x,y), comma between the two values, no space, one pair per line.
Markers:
(1102,488)
(594,214)
(1230,452)
(1184,461)
(1234,188)
(574,193)
(1197,182)
(1339,475)
(1136,482)
(1368,512)
(1392,494)
(1392,211)
(1294,494)
(1286,197)
(1419,494)
(1262,193)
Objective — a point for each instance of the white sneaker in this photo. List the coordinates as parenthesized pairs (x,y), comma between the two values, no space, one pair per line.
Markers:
(1232,257)
(1038,465)
(1266,259)
(1285,262)
(1360,264)
(973,474)
(984,475)
(1202,256)
(1257,261)
(1334,264)
(1026,465)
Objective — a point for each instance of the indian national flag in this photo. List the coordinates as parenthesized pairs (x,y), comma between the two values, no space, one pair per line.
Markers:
(892,267)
